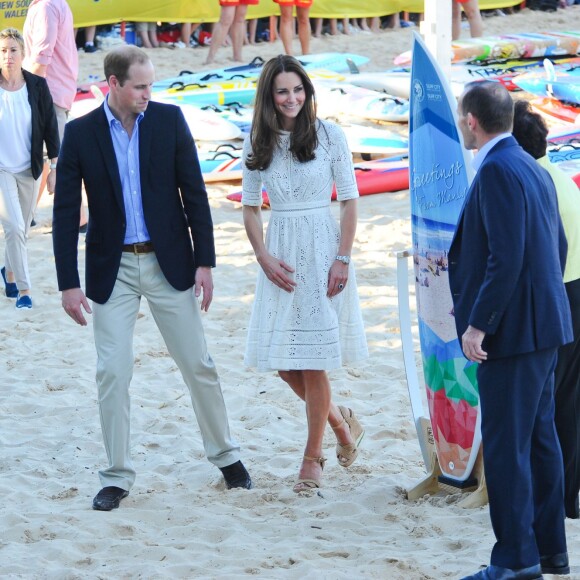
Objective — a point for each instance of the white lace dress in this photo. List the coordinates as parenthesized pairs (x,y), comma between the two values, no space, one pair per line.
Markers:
(304,329)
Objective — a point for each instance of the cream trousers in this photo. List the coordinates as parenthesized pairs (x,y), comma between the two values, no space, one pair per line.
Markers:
(177,315)
(18,192)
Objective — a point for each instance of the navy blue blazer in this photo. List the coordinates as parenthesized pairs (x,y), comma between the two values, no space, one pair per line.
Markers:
(507,257)
(175,204)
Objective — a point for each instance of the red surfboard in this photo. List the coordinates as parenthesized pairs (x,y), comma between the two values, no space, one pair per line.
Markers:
(378,176)
(84,90)
(556,110)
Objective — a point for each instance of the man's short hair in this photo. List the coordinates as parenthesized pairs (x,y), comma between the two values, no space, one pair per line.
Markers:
(491,104)
(530,130)
(119,60)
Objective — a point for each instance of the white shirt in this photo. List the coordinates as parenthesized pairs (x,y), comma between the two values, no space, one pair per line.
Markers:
(16,130)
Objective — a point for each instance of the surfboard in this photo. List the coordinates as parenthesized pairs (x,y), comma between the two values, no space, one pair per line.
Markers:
(211,94)
(221,92)
(84,90)
(81,107)
(373,141)
(556,111)
(224,163)
(344,99)
(556,84)
(238,114)
(378,176)
(440,177)
(511,46)
(208,126)
(563,134)
(332,61)
(565,152)
(504,71)
(396,83)
(537,45)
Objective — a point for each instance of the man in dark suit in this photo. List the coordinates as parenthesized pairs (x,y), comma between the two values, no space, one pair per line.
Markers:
(511,311)
(147,203)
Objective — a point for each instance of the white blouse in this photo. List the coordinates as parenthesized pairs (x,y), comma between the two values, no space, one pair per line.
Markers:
(15,130)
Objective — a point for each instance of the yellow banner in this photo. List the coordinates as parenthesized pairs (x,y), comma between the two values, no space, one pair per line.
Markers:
(89,12)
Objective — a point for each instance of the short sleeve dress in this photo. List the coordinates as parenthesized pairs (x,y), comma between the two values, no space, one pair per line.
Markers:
(304,329)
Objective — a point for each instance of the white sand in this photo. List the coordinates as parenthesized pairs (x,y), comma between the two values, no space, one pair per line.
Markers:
(179,520)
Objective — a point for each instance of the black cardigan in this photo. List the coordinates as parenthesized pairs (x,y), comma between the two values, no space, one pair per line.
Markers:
(44,124)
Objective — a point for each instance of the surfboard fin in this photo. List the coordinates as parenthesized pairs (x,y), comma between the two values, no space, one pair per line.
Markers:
(97,93)
(550,70)
(352,67)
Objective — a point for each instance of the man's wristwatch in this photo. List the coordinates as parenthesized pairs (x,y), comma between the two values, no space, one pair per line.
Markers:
(343,259)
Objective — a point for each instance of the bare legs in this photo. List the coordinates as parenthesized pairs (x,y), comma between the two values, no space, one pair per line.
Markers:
(304,29)
(238,32)
(313,387)
(187,29)
(471,8)
(232,20)
(287,28)
(455,20)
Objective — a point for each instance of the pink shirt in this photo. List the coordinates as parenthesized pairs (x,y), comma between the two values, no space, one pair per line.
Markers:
(49,40)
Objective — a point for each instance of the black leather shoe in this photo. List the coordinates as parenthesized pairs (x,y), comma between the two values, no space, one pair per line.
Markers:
(236,475)
(109,498)
(557,564)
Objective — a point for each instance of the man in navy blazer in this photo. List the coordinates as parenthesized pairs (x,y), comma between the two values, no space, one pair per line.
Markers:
(150,234)
(511,311)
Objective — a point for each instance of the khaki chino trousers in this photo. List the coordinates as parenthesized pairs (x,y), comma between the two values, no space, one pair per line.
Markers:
(177,315)
(18,193)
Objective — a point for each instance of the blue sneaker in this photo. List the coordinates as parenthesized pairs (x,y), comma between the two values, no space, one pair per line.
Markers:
(24,301)
(10,287)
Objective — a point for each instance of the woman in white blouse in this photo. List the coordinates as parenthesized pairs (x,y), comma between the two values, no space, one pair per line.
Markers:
(27,120)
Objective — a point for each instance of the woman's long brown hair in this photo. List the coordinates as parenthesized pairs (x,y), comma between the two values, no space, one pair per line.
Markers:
(266,126)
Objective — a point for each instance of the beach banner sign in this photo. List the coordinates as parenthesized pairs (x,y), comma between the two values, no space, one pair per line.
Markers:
(440,174)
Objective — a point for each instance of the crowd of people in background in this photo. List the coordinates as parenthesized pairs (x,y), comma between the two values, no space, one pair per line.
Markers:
(233,29)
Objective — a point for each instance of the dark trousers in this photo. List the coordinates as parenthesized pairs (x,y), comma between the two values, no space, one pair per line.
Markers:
(522,458)
(567,397)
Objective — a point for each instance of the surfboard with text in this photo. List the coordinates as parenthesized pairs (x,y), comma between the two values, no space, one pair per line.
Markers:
(440,175)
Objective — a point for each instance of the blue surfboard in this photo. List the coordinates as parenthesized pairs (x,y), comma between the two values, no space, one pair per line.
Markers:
(440,174)
(334,61)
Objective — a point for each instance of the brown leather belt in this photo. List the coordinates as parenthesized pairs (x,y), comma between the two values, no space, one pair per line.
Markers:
(139,248)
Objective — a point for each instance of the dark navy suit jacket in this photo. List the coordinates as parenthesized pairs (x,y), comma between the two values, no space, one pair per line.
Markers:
(175,203)
(507,257)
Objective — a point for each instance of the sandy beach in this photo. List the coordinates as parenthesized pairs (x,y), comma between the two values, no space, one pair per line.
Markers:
(179,520)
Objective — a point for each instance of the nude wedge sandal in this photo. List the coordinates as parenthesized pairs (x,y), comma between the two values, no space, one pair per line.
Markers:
(347,454)
(309,484)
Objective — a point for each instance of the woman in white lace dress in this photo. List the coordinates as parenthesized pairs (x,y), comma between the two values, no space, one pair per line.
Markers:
(306,317)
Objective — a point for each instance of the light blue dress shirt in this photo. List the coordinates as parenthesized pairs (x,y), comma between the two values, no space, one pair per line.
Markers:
(482,153)
(127,153)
